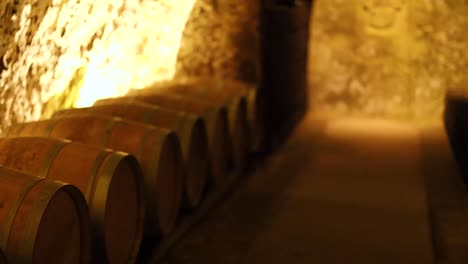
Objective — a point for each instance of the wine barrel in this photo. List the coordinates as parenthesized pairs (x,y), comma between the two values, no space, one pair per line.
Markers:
(236,107)
(226,85)
(219,139)
(239,88)
(42,221)
(229,87)
(157,150)
(110,181)
(190,129)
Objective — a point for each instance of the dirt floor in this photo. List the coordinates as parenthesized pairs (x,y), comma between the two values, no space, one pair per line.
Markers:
(342,190)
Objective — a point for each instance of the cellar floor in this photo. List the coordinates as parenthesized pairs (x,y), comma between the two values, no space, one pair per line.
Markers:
(341,191)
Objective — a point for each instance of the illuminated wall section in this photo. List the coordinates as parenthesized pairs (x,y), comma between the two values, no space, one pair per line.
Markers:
(64,53)
(387,57)
(141,49)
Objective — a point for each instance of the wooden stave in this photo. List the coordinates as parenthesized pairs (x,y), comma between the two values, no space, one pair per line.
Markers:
(216,123)
(236,107)
(198,156)
(235,87)
(187,126)
(239,88)
(26,250)
(219,85)
(50,168)
(51,128)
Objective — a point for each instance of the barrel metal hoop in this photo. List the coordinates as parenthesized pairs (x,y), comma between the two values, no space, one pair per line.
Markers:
(50,126)
(172,138)
(181,120)
(93,173)
(150,181)
(123,108)
(16,130)
(141,201)
(143,141)
(152,176)
(97,203)
(184,130)
(108,131)
(81,205)
(149,116)
(5,229)
(212,121)
(29,232)
(53,153)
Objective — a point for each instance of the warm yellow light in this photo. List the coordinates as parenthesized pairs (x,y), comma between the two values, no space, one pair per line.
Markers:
(390,58)
(141,50)
(98,84)
(108,46)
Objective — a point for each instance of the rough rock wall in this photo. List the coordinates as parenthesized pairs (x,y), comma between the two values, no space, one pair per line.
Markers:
(60,52)
(387,57)
(221,38)
(63,53)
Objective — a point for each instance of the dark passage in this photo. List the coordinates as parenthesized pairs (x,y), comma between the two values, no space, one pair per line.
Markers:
(342,191)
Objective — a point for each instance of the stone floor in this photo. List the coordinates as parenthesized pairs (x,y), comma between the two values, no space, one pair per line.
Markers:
(342,191)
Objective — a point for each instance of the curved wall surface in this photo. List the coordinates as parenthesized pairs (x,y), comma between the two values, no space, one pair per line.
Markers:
(391,58)
(65,53)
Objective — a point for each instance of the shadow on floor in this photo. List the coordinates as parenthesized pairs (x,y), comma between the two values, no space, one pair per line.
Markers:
(339,191)
(448,196)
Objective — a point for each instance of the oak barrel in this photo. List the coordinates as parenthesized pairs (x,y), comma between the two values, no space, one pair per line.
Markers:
(239,88)
(110,181)
(190,128)
(229,87)
(219,139)
(42,221)
(236,108)
(157,150)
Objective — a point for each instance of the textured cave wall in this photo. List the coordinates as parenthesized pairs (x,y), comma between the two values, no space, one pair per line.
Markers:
(62,53)
(387,57)
(53,49)
(222,38)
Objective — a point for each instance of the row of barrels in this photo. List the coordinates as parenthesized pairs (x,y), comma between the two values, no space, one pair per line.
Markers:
(109,175)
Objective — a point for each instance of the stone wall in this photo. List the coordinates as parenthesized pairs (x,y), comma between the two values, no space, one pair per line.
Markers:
(387,57)
(63,53)
(221,38)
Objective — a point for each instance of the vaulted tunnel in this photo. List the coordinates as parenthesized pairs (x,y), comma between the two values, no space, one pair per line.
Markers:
(221,131)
